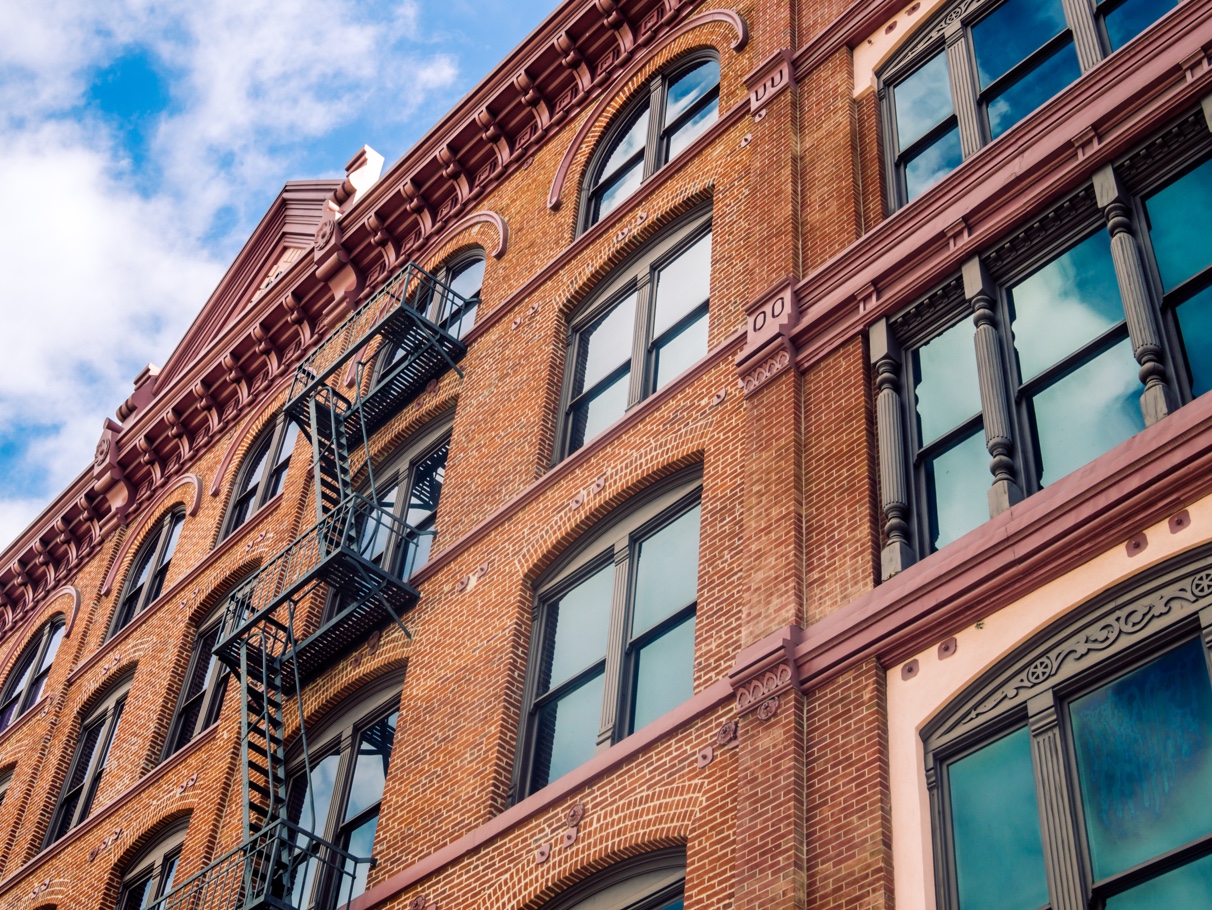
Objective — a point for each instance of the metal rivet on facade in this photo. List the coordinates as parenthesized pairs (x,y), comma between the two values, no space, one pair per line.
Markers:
(622,234)
(1137,545)
(746,139)
(534,308)
(913,9)
(890,27)
(759,116)
(1180,521)
(577,501)
(431,387)
(570,837)
(705,757)
(947,648)
(909,670)
(598,485)
(417,903)
(542,854)
(483,570)
(461,585)
(719,397)
(517,321)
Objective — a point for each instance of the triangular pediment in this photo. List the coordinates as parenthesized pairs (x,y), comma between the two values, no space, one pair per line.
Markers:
(284,236)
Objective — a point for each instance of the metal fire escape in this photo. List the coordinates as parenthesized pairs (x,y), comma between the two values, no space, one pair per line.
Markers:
(370,367)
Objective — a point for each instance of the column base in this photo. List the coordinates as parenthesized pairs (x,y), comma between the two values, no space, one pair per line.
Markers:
(1002,495)
(895,558)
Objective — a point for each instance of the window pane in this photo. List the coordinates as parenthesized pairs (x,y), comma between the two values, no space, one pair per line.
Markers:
(1180,225)
(1129,19)
(682,285)
(922,101)
(137,896)
(680,351)
(279,472)
(1087,412)
(592,416)
(957,489)
(361,845)
(468,280)
(377,535)
(257,467)
(173,533)
(1033,88)
(1186,886)
(664,675)
(630,143)
(605,345)
(1066,304)
(323,780)
(1195,324)
(1144,760)
(946,390)
(52,647)
(568,733)
(999,857)
(933,163)
(689,88)
(667,572)
(1011,33)
(577,626)
(691,130)
(370,766)
(619,188)
(427,478)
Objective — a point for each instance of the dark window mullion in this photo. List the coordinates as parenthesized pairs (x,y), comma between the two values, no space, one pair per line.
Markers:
(605,382)
(1152,868)
(645,300)
(569,685)
(1073,361)
(652,633)
(949,438)
(1025,66)
(609,180)
(657,91)
(686,116)
(927,139)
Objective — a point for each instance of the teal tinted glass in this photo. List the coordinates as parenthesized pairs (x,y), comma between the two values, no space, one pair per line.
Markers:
(933,163)
(1087,412)
(370,765)
(577,626)
(667,574)
(1032,89)
(1011,33)
(568,732)
(957,485)
(664,676)
(1144,760)
(999,856)
(1186,886)
(354,875)
(605,345)
(1195,324)
(1129,19)
(1066,304)
(682,285)
(1180,226)
(945,387)
(923,101)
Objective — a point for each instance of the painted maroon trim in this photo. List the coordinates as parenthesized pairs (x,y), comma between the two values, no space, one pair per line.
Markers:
(576,460)
(717,15)
(484,217)
(611,223)
(1140,482)
(190,509)
(704,702)
(179,586)
(98,818)
(1128,97)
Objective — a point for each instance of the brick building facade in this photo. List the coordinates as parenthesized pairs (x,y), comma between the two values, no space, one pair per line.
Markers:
(814,393)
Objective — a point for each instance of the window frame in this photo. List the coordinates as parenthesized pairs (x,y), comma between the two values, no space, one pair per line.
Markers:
(642,882)
(210,697)
(636,274)
(338,733)
(614,542)
(268,454)
(33,655)
(446,274)
(948,32)
(150,559)
(148,868)
(105,717)
(655,154)
(1163,608)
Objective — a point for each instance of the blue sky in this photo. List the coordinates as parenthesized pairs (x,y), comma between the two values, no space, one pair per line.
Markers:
(140,143)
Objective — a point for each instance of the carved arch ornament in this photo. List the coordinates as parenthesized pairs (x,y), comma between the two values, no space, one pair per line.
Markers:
(718,15)
(151,515)
(1160,599)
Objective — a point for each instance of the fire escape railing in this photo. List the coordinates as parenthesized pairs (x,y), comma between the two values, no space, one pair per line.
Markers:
(373,364)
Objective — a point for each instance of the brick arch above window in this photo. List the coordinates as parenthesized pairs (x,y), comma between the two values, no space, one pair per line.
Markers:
(153,513)
(593,120)
(145,574)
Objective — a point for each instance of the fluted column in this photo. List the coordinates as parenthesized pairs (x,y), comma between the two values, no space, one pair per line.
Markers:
(1158,398)
(897,554)
(995,401)
(1060,840)
(963,90)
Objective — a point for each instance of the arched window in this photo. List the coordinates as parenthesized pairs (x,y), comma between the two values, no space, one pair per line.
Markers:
(654,881)
(612,643)
(263,471)
(677,105)
(97,734)
(201,697)
(150,877)
(28,677)
(1077,773)
(339,802)
(464,275)
(644,326)
(149,569)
